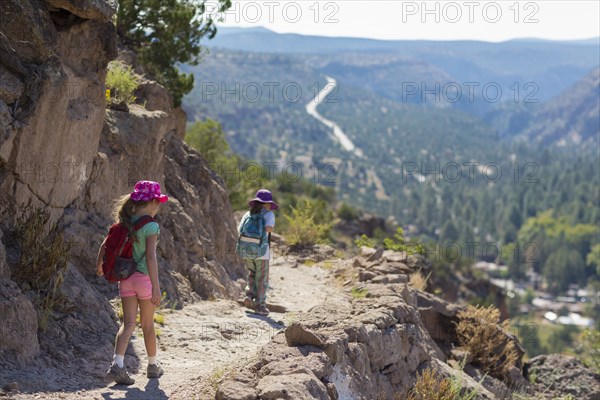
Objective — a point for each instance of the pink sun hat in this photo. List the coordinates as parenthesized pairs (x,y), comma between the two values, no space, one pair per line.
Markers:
(146,191)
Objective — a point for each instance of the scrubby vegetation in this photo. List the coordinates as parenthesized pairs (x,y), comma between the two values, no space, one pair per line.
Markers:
(589,349)
(429,386)
(43,261)
(121,83)
(304,228)
(359,293)
(479,329)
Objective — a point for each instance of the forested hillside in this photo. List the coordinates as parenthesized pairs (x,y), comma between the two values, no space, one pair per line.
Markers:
(466,171)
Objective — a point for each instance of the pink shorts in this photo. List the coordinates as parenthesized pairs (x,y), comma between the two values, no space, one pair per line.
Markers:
(138,284)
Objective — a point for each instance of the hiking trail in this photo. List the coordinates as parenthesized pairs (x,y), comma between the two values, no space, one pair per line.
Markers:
(198,343)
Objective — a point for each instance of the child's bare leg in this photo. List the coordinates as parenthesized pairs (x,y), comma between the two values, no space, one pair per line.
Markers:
(130,307)
(147,323)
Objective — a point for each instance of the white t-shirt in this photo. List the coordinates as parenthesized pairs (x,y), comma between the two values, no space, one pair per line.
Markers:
(269,221)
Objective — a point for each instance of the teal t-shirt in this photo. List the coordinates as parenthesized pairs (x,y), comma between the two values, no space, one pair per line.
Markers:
(139,246)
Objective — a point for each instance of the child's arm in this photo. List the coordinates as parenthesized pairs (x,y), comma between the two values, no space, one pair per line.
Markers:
(153,268)
(270,222)
(100,258)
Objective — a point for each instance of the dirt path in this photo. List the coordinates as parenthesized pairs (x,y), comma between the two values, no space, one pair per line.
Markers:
(200,342)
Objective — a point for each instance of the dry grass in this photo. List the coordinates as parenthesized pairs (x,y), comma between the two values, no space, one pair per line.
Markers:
(429,387)
(43,260)
(418,281)
(479,329)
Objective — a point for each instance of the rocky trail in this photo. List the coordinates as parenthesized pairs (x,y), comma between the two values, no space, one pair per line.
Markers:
(198,343)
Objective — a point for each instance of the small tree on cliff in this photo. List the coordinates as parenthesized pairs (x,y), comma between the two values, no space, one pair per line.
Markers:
(165,33)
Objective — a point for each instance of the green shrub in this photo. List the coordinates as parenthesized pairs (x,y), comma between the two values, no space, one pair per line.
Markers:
(43,260)
(302,229)
(399,243)
(122,82)
(347,212)
(589,349)
(364,240)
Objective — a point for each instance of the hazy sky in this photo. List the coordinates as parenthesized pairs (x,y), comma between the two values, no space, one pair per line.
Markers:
(436,20)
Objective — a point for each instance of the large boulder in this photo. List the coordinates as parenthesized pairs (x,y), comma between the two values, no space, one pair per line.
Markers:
(19,325)
(560,375)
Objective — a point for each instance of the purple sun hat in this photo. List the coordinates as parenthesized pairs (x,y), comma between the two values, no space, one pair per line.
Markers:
(146,191)
(263,196)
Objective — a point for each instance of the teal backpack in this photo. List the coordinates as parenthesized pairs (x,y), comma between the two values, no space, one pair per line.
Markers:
(252,241)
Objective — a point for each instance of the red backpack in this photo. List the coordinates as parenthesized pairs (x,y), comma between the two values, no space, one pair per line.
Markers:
(118,263)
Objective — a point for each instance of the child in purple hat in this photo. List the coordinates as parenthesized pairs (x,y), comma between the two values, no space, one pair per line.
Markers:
(142,288)
(258,269)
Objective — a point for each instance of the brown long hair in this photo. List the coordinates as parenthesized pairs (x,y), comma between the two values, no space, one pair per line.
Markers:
(256,207)
(123,211)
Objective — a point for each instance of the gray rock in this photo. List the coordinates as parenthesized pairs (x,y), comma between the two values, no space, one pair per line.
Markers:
(19,325)
(100,10)
(364,275)
(562,375)
(293,386)
(367,251)
(11,87)
(298,335)
(235,390)
(29,36)
(376,255)
(440,318)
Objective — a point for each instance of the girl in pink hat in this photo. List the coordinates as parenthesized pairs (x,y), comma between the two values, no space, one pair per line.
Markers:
(142,288)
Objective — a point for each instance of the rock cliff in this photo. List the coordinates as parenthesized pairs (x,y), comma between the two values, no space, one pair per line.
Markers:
(63,151)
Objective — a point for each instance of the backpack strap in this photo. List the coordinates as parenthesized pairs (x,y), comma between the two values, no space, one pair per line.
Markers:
(144,219)
(262,214)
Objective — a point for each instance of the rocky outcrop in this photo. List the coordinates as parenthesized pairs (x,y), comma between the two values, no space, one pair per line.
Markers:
(559,376)
(371,346)
(379,266)
(361,349)
(364,224)
(100,10)
(61,150)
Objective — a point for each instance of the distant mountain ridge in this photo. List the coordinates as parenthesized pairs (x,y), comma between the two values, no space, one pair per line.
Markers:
(395,131)
(572,117)
(551,65)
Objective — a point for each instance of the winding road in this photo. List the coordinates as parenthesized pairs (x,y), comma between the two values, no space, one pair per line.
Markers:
(311,109)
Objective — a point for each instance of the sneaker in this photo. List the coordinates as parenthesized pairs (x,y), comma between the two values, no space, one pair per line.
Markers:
(119,375)
(248,302)
(154,371)
(261,310)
